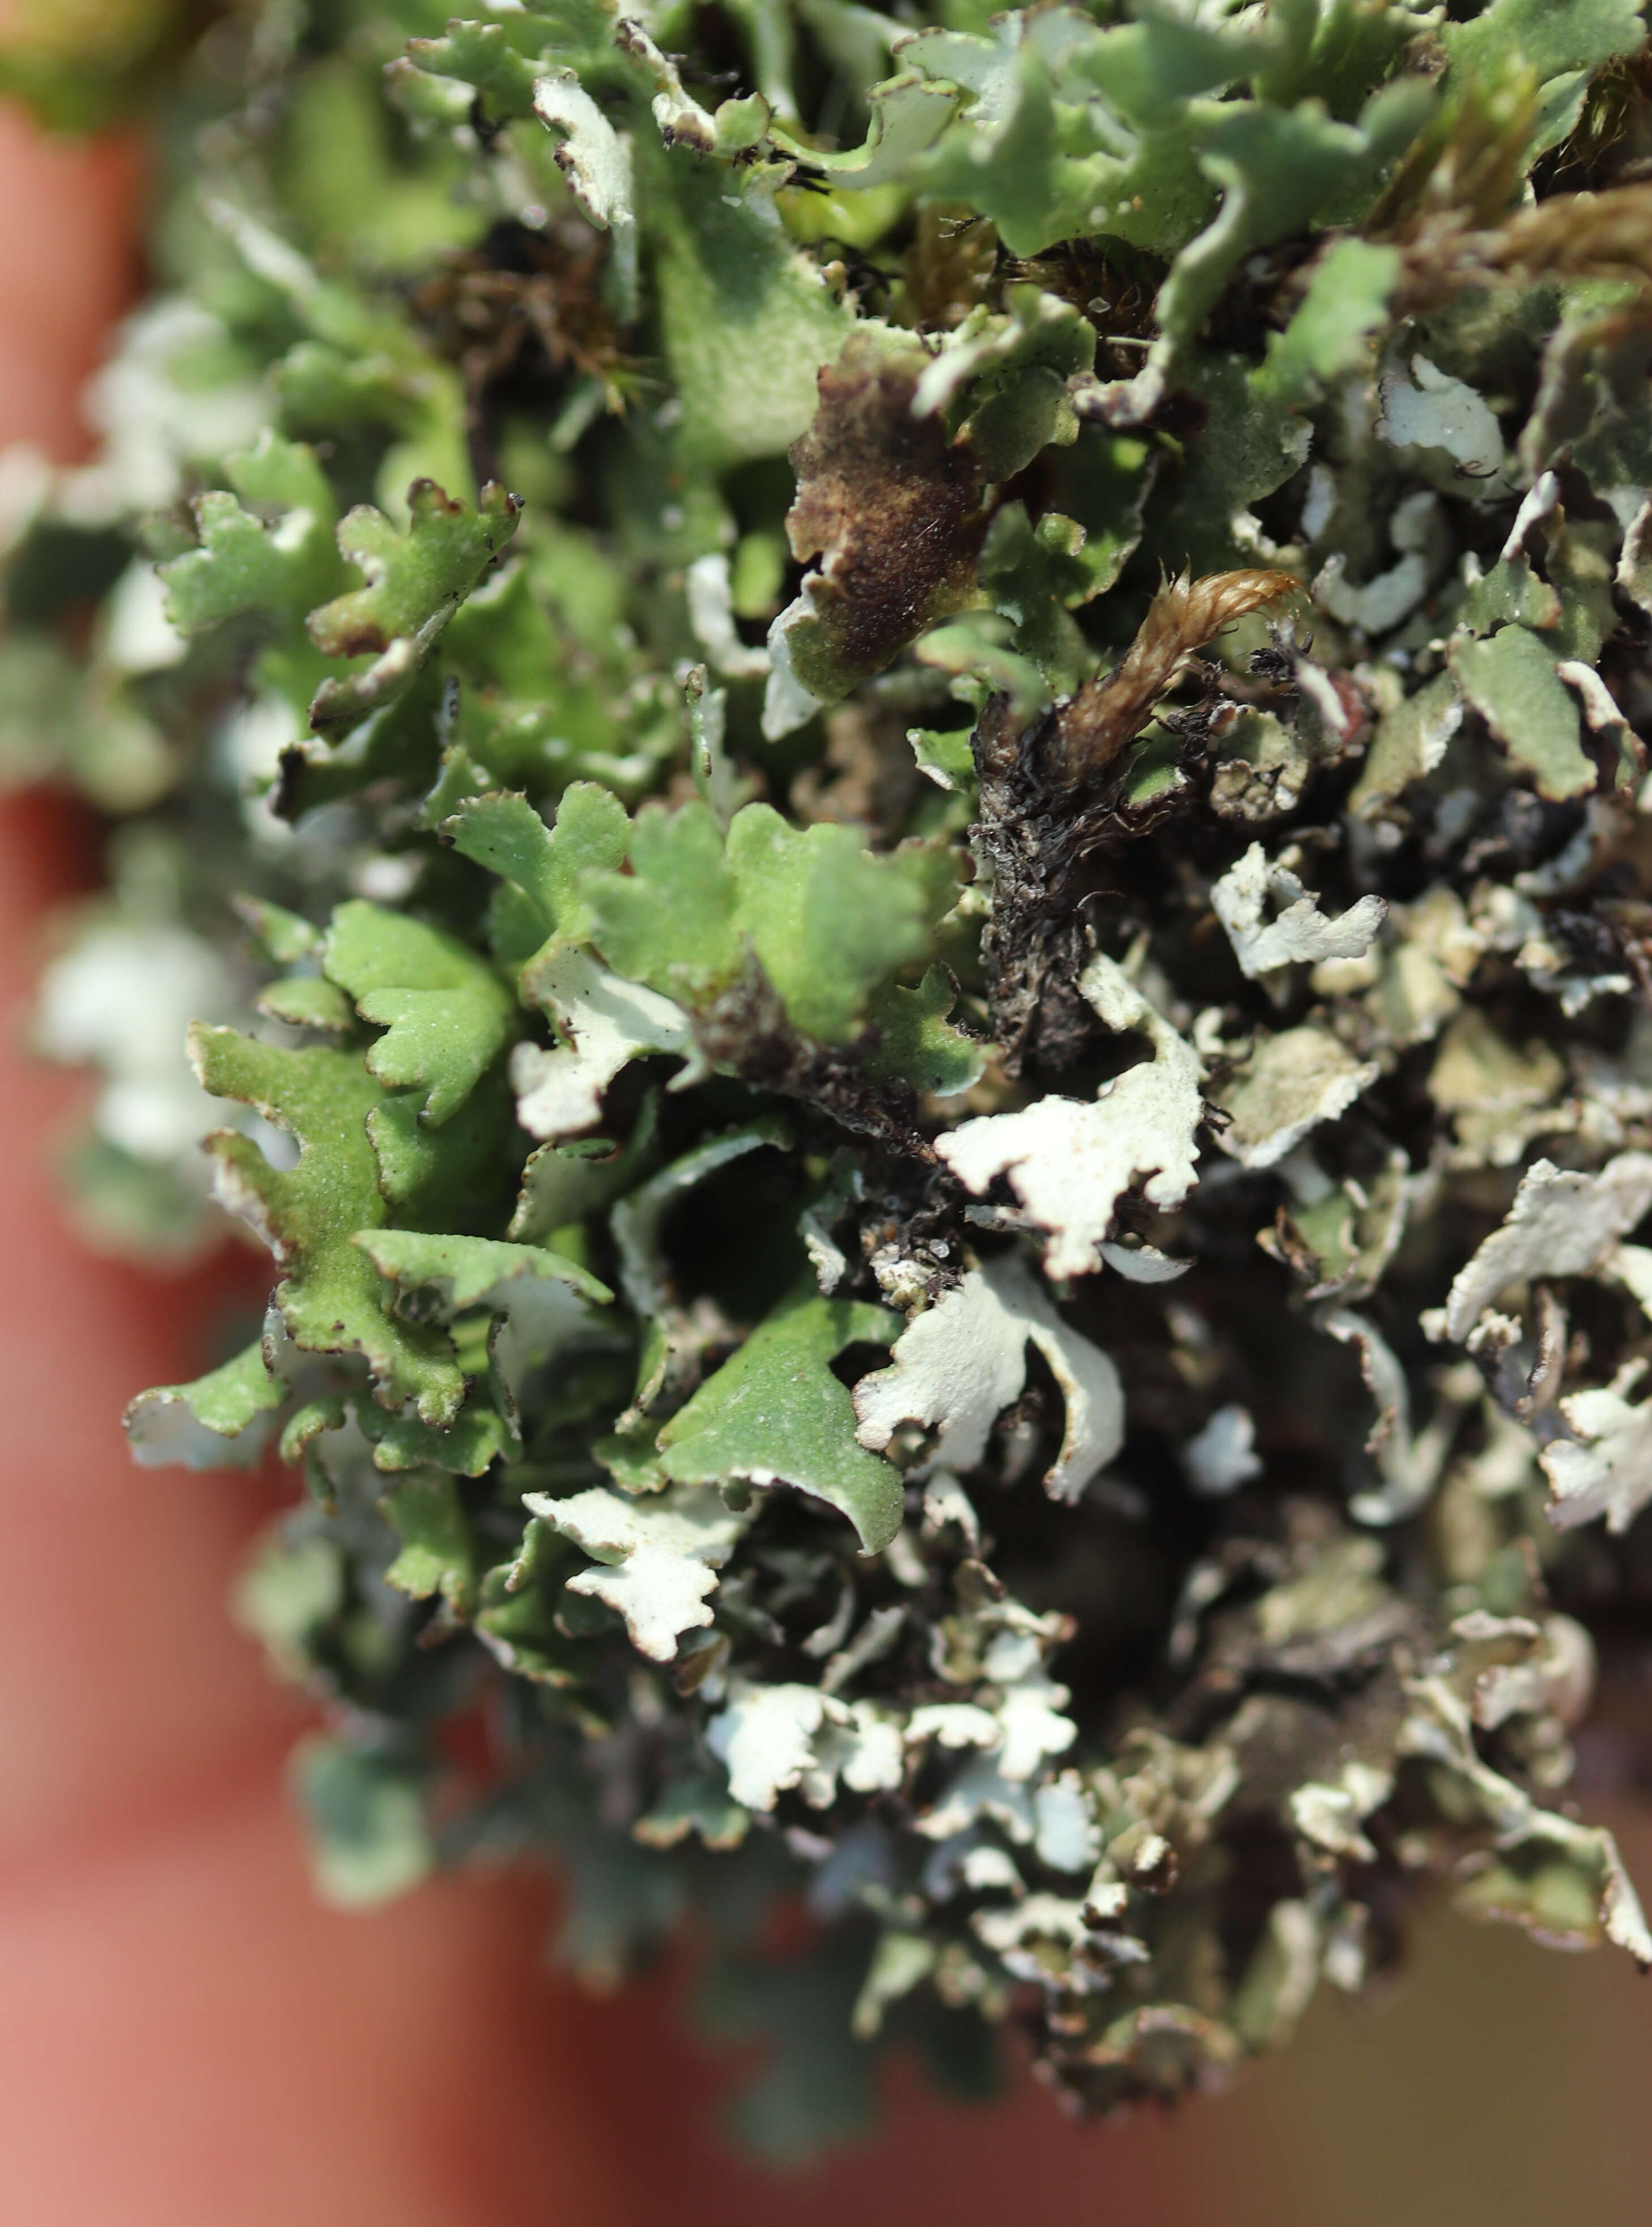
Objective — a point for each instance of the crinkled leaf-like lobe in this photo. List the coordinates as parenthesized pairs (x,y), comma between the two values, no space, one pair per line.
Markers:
(827,919)
(1275,168)
(775,1414)
(1150,68)
(1432,410)
(917,1044)
(1409,742)
(438,1172)
(1018,370)
(445,1011)
(962,1361)
(482,1432)
(415,582)
(1255,438)
(1407,1471)
(440,1041)
(669,923)
(698,1805)
(1036,576)
(475,1272)
(958,1365)
(1563,1222)
(1439,1726)
(1288,1085)
(1336,326)
(890,507)
(507,62)
(498,60)
(1011,156)
(908,114)
(1634,575)
(1379,603)
(243,565)
(563,1183)
(974,651)
(765,1740)
(330,1295)
(1069,1162)
(544,1298)
(1553,35)
(438,1551)
(770,1738)
(309,1001)
(1512,680)
(658,1558)
(284,938)
(1511,590)
(747,320)
(516,1619)
(1222,1455)
(502,832)
(221,1421)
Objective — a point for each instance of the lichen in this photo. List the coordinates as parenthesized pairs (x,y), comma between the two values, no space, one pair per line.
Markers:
(898,775)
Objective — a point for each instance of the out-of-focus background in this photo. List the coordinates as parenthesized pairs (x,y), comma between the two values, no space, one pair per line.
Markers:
(187,2040)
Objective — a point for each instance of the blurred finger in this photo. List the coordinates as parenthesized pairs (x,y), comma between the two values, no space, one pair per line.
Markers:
(126,1681)
(68,264)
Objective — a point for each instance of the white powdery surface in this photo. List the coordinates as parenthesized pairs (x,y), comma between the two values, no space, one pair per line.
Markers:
(770,1738)
(1606,1469)
(963,1361)
(1439,412)
(1289,1085)
(657,1559)
(592,156)
(1299,933)
(1563,1222)
(605,1021)
(1069,1161)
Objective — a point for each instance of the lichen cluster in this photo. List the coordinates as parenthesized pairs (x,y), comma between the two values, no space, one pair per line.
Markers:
(928,737)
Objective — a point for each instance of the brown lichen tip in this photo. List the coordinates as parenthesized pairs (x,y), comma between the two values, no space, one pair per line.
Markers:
(891,508)
(1110,710)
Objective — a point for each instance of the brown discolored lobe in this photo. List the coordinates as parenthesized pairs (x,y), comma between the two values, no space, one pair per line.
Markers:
(891,507)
